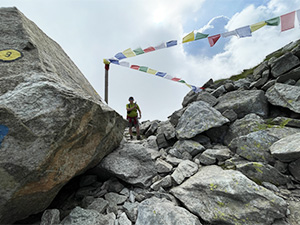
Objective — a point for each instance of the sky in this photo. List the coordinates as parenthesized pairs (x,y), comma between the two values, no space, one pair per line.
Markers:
(91,30)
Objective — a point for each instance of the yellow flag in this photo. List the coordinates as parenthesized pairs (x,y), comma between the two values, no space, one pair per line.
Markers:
(188,85)
(189,37)
(151,71)
(105,61)
(257,26)
(128,53)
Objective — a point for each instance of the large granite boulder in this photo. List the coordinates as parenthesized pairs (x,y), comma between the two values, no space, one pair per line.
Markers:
(197,118)
(244,102)
(186,146)
(256,145)
(244,126)
(132,163)
(285,95)
(201,96)
(54,125)
(228,197)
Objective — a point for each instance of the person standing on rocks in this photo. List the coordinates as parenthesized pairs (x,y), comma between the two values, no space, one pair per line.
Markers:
(133,118)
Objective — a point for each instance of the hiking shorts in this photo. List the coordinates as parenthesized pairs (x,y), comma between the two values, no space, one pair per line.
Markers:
(133,122)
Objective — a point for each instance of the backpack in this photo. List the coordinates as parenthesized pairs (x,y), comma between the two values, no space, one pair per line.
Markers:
(128,106)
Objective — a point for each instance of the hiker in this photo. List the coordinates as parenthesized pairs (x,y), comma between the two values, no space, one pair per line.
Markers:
(132,117)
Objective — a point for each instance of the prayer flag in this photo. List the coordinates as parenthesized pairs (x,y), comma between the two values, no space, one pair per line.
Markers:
(200,36)
(229,33)
(105,61)
(189,37)
(273,22)
(244,32)
(162,45)
(171,43)
(298,15)
(197,89)
(190,86)
(114,61)
(213,39)
(182,81)
(151,71)
(149,49)
(169,77)
(161,74)
(138,51)
(256,26)
(287,21)
(176,79)
(128,53)
(135,67)
(126,64)
(143,68)
(120,56)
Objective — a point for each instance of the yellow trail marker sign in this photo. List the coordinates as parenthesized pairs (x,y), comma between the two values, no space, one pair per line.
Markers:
(9,55)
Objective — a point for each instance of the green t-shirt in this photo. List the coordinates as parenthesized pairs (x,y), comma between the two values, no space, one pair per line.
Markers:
(132,113)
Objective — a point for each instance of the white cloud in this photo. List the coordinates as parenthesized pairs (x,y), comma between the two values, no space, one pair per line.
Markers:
(90,30)
(245,53)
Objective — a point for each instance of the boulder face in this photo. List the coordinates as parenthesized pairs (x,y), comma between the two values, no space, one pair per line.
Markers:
(284,95)
(197,118)
(220,197)
(244,102)
(132,163)
(53,124)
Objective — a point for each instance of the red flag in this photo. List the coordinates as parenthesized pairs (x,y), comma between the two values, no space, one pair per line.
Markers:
(287,21)
(149,49)
(213,39)
(176,79)
(135,67)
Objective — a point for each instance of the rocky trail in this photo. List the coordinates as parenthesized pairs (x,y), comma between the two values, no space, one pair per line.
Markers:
(229,156)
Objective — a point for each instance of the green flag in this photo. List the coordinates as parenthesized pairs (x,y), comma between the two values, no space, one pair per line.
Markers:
(138,51)
(273,22)
(200,36)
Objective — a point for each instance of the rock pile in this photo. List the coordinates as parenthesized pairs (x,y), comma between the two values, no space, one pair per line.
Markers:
(53,125)
(230,156)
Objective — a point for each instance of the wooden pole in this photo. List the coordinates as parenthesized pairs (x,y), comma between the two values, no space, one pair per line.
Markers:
(106,82)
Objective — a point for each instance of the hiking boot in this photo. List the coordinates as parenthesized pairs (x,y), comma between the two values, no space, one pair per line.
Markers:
(139,138)
(131,137)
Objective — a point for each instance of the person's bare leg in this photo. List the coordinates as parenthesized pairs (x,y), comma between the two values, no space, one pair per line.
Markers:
(138,132)
(130,132)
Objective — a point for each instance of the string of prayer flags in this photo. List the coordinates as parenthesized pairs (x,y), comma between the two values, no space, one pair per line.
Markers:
(154,72)
(287,21)
(213,39)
